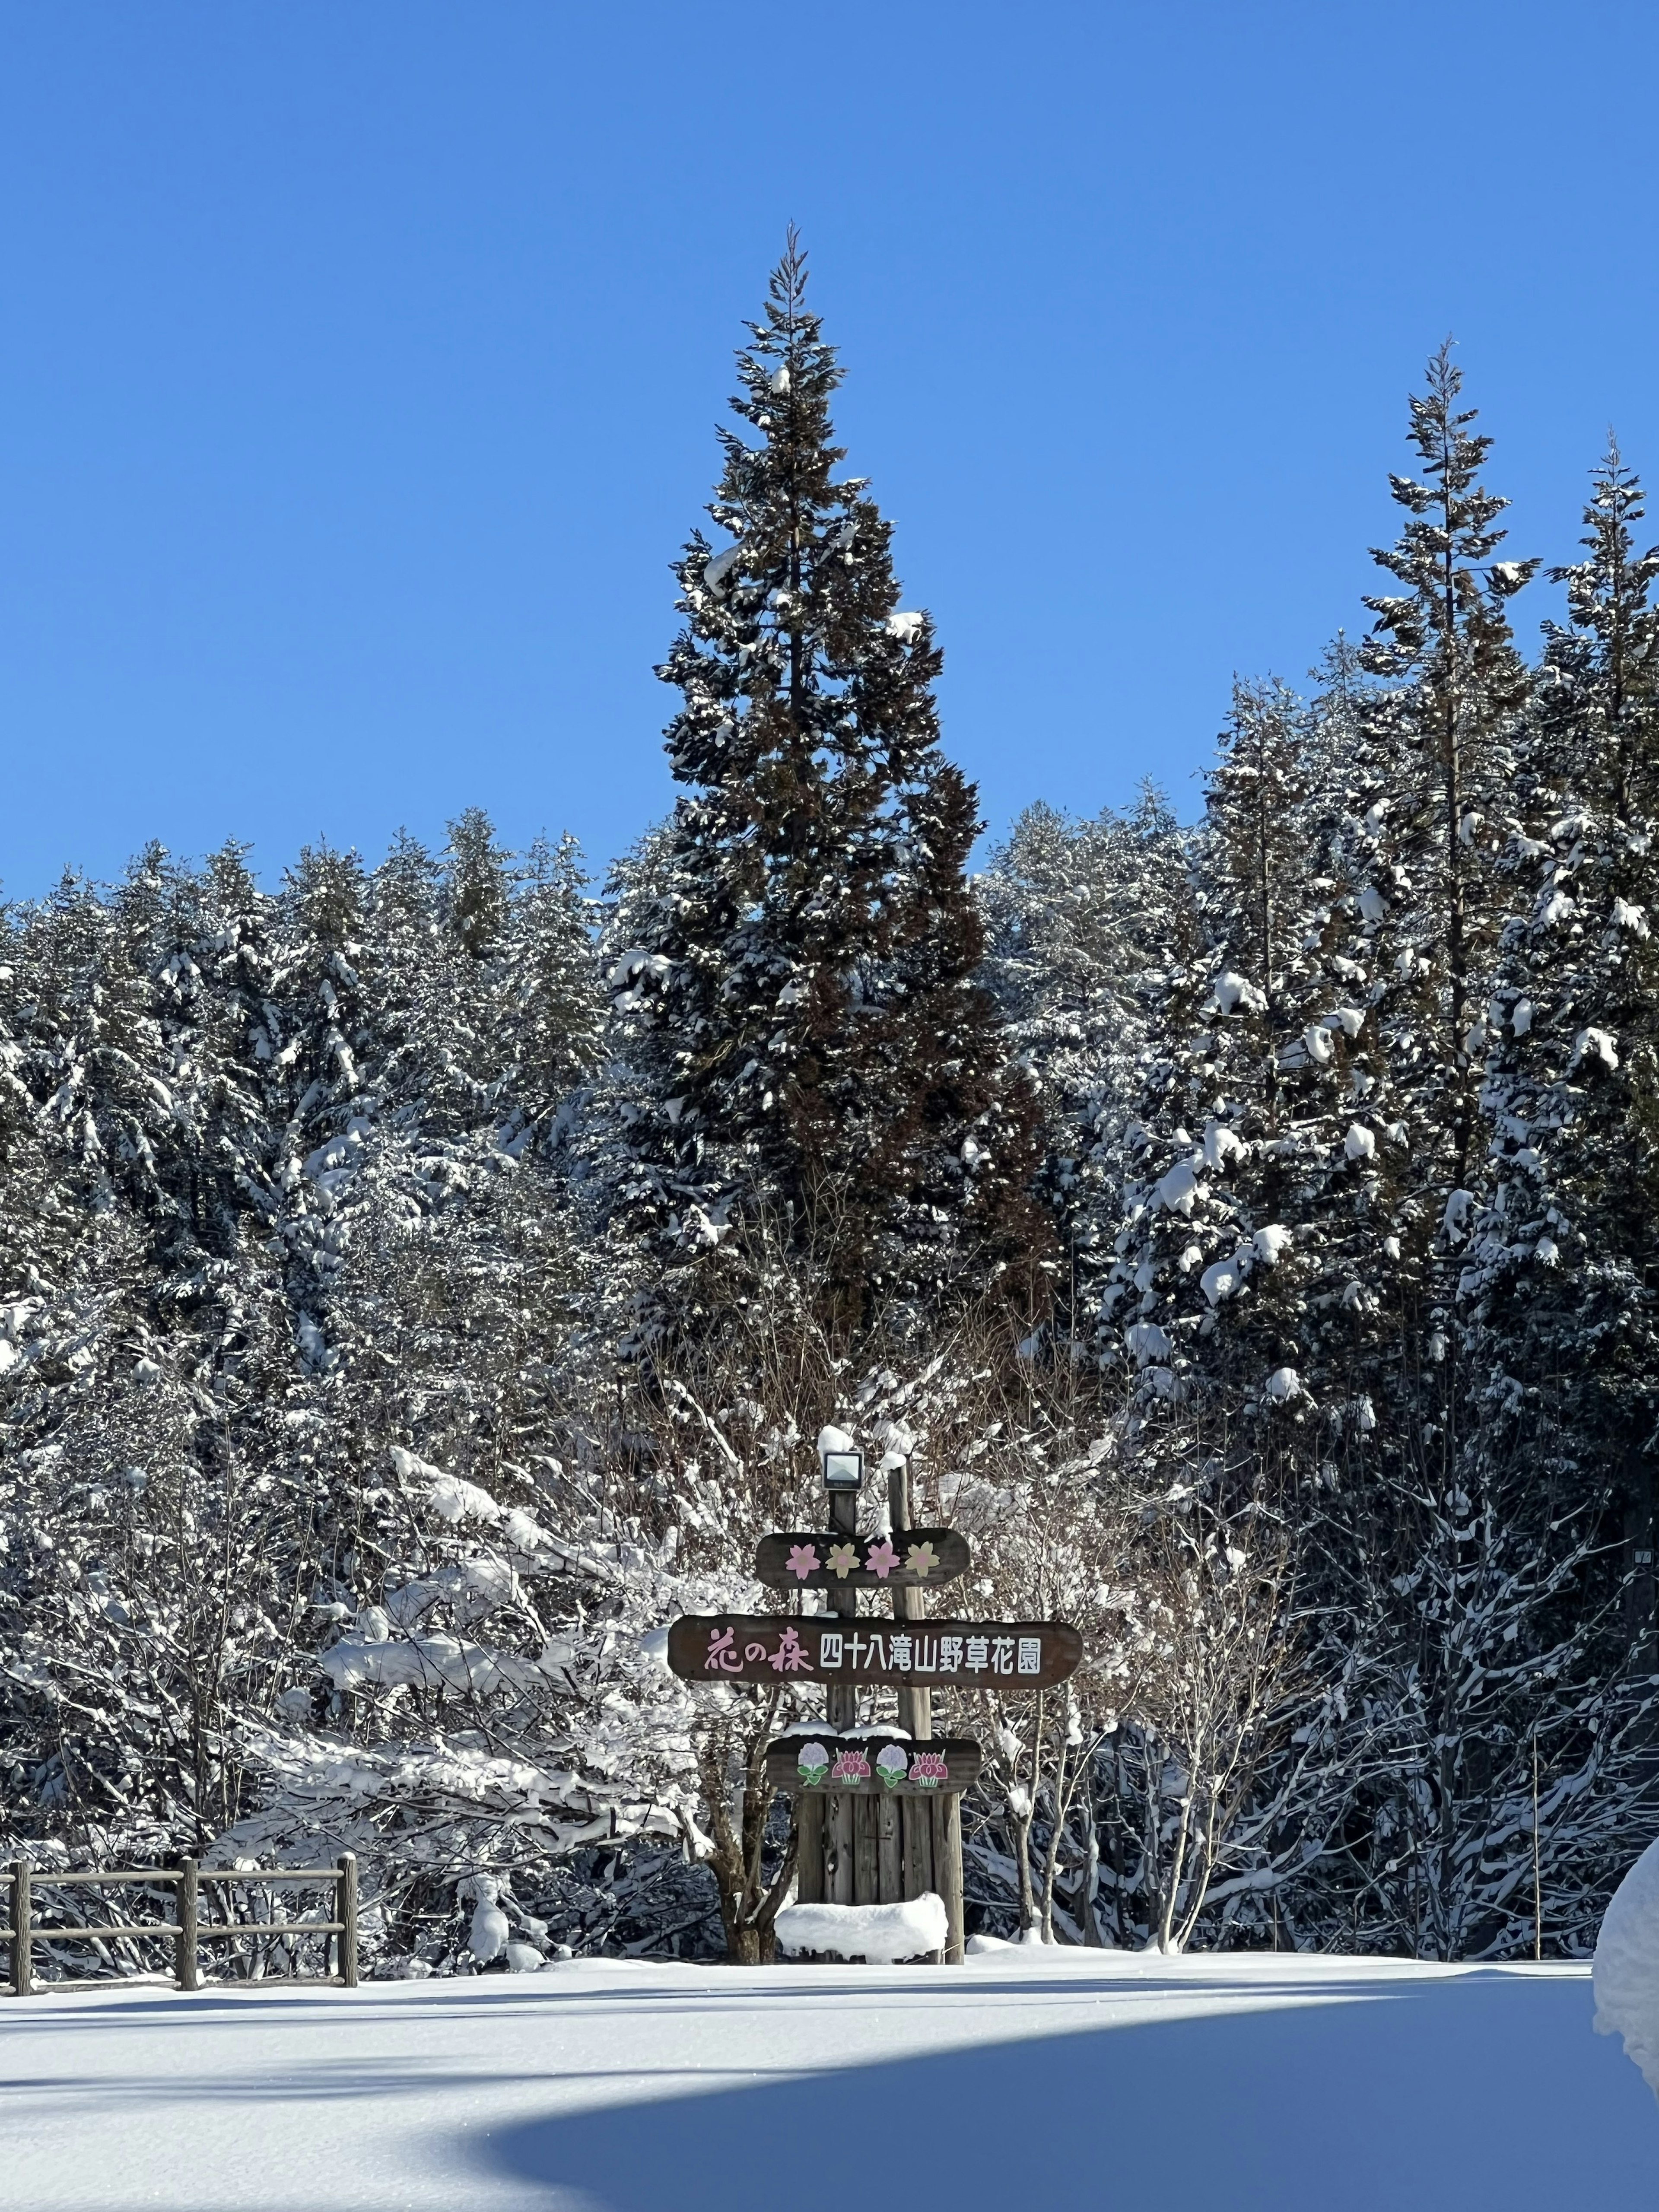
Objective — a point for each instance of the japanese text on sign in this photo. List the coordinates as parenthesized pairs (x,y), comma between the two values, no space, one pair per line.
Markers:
(1028,1655)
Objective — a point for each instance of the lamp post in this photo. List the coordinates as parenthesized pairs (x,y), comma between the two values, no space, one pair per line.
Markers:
(843,1477)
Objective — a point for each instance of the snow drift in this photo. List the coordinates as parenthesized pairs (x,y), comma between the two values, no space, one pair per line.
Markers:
(880,1934)
(1627,1967)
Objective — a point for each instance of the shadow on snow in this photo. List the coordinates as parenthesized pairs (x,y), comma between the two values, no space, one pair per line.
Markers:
(1472,2095)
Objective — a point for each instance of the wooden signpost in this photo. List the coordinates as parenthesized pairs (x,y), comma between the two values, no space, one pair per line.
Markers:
(913,1559)
(872,1765)
(954,1654)
(879,1817)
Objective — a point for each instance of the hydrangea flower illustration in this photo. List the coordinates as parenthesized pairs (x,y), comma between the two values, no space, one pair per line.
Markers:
(881,1559)
(890,1765)
(921,1559)
(803,1561)
(851,1765)
(843,1558)
(813,1764)
(928,1769)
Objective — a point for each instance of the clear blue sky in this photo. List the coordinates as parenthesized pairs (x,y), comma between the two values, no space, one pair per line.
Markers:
(359,367)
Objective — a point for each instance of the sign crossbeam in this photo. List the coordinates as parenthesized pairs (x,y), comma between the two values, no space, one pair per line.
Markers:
(909,1558)
(850,1650)
(867,1766)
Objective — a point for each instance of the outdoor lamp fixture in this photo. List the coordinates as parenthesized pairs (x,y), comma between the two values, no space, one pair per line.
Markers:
(844,1470)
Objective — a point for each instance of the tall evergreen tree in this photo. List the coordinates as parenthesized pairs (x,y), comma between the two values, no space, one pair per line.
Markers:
(1085,921)
(802,1007)
(1248,1258)
(1562,1280)
(1456,685)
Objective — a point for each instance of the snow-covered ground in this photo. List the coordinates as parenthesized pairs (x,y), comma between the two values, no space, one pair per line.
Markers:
(1041,2076)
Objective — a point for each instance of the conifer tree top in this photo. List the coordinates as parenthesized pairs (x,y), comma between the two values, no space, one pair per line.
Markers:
(1444,554)
(795,645)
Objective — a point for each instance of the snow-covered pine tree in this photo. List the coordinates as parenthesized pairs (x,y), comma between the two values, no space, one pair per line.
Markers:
(801,1009)
(1474,1548)
(1563,1279)
(553,1017)
(1444,724)
(145,1612)
(1246,1264)
(1085,920)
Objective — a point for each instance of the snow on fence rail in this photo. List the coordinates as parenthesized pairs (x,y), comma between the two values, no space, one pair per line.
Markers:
(187,1930)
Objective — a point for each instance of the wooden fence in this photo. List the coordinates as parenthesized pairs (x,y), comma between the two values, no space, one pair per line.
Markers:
(188,1931)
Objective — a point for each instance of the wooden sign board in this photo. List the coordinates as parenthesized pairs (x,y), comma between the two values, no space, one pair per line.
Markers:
(946,1655)
(872,1766)
(915,1558)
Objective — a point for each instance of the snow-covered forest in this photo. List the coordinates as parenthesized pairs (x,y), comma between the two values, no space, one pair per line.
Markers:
(422,1280)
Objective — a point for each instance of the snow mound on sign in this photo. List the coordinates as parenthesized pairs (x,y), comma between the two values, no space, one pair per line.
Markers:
(1627,1967)
(883,1934)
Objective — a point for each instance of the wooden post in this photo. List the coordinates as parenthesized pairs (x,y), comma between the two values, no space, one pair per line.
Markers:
(23,1964)
(809,1853)
(889,1850)
(947,1872)
(843,1702)
(346,1913)
(187,1891)
(1537,1879)
(932,1833)
(915,1706)
(839,1859)
(917,1817)
(867,1853)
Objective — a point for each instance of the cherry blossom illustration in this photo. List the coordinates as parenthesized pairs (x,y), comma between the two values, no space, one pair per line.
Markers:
(803,1561)
(921,1559)
(843,1558)
(881,1559)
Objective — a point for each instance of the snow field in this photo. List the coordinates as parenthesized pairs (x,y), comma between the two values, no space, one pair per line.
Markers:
(1094,2080)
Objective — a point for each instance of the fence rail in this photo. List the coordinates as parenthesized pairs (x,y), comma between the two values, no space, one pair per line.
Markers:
(185,1930)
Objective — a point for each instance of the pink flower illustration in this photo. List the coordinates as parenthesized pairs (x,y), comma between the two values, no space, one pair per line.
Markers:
(803,1561)
(881,1559)
(928,1769)
(850,1765)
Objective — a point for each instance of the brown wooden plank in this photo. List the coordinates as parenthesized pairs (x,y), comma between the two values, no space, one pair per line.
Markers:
(889,1848)
(49,1934)
(218,1930)
(189,1900)
(916,1816)
(163,1877)
(809,1853)
(866,1879)
(22,1956)
(842,1699)
(840,1867)
(346,1906)
(852,1765)
(1006,1655)
(915,1707)
(911,1559)
(947,1873)
(166,1877)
